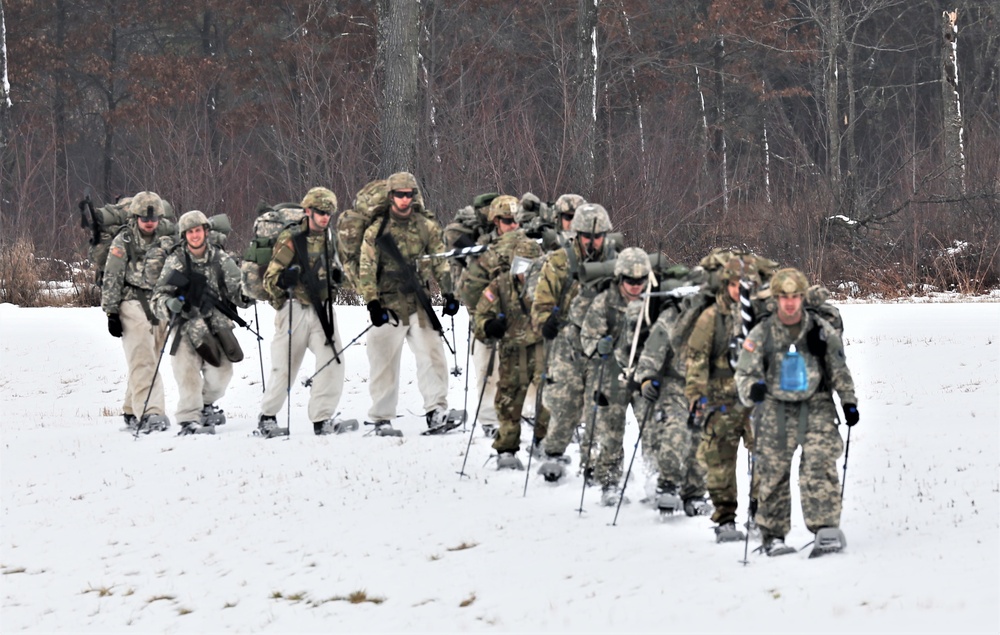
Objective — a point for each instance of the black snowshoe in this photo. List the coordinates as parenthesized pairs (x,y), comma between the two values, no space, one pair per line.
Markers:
(775,546)
(554,467)
(727,532)
(382,428)
(334,426)
(267,428)
(441,421)
(828,540)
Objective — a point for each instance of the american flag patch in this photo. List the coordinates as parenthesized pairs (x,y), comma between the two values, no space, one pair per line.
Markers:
(117,252)
(489,295)
(749,345)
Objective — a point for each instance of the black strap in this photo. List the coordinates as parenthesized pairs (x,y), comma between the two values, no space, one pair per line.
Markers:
(311,279)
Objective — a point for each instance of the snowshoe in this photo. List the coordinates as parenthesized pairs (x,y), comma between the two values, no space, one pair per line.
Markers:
(131,423)
(536,449)
(775,546)
(554,467)
(267,428)
(509,461)
(828,540)
(752,529)
(667,501)
(382,428)
(194,427)
(212,415)
(698,507)
(334,426)
(441,421)
(153,423)
(490,430)
(610,497)
(727,532)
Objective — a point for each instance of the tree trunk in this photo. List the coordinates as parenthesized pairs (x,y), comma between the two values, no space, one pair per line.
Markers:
(719,144)
(954,144)
(398,35)
(585,115)
(6,158)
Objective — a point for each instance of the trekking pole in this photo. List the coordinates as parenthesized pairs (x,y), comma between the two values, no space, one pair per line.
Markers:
(456,370)
(752,459)
(288,381)
(260,355)
(472,432)
(468,354)
(593,427)
(538,409)
(628,472)
(156,372)
(847,451)
(308,381)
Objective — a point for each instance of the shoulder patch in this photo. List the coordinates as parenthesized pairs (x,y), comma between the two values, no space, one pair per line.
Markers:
(117,252)
(749,345)
(489,295)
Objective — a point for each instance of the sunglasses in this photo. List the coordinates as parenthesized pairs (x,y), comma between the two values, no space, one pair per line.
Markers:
(319,212)
(635,282)
(590,236)
(507,221)
(566,216)
(409,194)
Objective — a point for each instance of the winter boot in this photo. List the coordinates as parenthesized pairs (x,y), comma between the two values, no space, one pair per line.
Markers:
(153,423)
(334,426)
(383,428)
(509,461)
(440,420)
(195,427)
(828,540)
(212,415)
(698,506)
(554,467)
(727,532)
(267,427)
(667,500)
(775,546)
(131,422)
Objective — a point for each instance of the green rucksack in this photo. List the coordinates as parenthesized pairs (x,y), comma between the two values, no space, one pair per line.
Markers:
(106,221)
(270,221)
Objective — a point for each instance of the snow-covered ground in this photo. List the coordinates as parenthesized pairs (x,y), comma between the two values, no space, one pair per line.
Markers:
(102,532)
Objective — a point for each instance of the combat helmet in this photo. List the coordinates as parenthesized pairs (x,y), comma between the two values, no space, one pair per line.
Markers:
(632,262)
(591,218)
(503,206)
(320,198)
(147,206)
(401,181)
(789,281)
(568,203)
(192,219)
(524,252)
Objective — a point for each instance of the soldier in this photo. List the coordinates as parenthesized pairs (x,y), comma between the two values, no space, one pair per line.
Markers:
(480,271)
(566,206)
(673,442)
(200,285)
(503,318)
(710,389)
(382,284)
(560,303)
(301,279)
(790,364)
(606,333)
(125,295)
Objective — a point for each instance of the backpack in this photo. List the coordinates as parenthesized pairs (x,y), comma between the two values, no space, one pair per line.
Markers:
(270,222)
(371,202)
(105,222)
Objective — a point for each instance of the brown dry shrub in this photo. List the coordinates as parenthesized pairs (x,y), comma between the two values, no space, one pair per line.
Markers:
(19,274)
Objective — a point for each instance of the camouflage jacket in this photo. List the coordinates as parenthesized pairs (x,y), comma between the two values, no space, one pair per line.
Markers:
(381,278)
(605,317)
(657,358)
(483,269)
(131,270)
(505,296)
(321,249)
(559,288)
(766,347)
(707,370)
(222,283)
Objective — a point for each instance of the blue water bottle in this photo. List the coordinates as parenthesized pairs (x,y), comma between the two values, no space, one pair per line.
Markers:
(793,372)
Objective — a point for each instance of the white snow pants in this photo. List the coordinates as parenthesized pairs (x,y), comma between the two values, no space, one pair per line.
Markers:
(198,382)
(385,348)
(142,343)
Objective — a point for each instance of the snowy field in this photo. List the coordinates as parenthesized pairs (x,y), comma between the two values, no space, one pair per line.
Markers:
(102,532)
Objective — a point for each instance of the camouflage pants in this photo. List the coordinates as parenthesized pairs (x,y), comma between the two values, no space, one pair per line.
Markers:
(565,395)
(613,400)
(519,367)
(783,426)
(725,425)
(672,445)
(143,343)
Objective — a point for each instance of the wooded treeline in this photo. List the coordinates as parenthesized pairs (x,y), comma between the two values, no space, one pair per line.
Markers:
(857,139)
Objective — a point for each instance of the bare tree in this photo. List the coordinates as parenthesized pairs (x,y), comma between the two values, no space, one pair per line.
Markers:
(398,35)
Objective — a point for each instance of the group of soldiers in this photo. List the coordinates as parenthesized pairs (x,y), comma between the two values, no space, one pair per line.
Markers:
(556,304)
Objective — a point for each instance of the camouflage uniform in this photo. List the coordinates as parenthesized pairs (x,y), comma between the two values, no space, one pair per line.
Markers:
(671,444)
(559,293)
(710,375)
(787,419)
(200,383)
(128,283)
(381,279)
(520,351)
(307,330)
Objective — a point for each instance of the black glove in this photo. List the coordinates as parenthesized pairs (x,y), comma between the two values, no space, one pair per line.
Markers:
(551,327)
(450,305)
(495,327)
(114,325)
(651,389)
(851,415)
(758,391)
(289,277)
(378,315)
(337,275)
(605,345)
